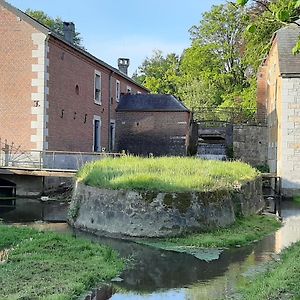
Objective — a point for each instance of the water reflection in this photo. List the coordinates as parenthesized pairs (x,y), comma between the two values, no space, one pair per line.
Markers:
(29,210)
(186,278)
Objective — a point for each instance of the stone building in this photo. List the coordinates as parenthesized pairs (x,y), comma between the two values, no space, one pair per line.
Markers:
(279,97)
(148,123)
(53,94)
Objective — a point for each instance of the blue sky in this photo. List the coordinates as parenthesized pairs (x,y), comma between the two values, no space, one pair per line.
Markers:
(131,28)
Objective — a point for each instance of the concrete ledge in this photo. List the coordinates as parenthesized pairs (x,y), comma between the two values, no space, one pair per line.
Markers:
(121,213)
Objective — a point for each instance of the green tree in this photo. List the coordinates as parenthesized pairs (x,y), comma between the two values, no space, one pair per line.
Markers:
(54,24)
(280,12)
(159,73)
(215,58)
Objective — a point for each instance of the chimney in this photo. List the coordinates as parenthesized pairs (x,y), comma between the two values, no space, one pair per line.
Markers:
(123,64)
(69,32)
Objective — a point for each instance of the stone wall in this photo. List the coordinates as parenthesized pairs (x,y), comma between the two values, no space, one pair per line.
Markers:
(250,144)
(120,213)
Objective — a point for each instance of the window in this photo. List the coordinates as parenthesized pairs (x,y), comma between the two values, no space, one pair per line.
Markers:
(97,84)
(128,89)
(118,90)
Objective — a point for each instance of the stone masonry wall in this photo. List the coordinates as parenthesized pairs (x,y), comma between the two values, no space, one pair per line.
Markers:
(289,135)
(250,144)
(120,213)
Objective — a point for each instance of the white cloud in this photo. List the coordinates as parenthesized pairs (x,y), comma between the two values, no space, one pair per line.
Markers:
(134,47)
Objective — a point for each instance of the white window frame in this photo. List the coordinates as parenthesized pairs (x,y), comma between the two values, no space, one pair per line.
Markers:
(118,90)
(128,89)
(98,101)
(97,118)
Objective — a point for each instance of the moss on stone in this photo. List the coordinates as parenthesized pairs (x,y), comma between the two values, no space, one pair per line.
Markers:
(181,201)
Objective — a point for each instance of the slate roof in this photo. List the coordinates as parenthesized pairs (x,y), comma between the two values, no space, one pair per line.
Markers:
(46,30)
(287,37)
(150,102)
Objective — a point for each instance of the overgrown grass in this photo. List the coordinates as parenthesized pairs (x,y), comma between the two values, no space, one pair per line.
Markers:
(281,281)
(296,199)
(165,174)
(47,265)
(242,232)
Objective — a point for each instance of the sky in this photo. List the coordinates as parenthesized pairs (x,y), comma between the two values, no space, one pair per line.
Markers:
(128,28)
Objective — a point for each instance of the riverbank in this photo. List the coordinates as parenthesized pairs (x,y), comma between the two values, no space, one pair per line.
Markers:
(242,232)
(280,281)
(49,265)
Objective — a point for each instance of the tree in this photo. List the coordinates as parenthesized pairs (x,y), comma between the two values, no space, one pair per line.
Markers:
(159,73)
(283,12)
(54,24)
(215,58)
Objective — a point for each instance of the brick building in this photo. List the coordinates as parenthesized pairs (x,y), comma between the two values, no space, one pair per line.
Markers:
(279,97)
(157,124)
(54,95)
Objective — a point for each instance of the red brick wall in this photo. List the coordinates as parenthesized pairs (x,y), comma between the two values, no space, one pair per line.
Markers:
(159,133)
(15,80)
(67,68)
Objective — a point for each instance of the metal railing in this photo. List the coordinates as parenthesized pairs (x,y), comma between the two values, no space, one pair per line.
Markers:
(47,159)
(229,115)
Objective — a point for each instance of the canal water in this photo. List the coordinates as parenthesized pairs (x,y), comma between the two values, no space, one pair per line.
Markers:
(154,274)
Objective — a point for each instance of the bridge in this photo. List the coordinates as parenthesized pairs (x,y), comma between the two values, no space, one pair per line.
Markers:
(34,171)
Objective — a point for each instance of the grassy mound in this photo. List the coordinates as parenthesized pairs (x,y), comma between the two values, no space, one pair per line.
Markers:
(47,265)
(169,174)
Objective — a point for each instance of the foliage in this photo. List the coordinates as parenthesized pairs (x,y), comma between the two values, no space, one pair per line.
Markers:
(280,281)
(165,174)
(158,73)
(242,232)
(282,11)
(54,24)
(45,265)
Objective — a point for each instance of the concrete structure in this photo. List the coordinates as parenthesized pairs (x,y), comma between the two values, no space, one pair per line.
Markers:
(120,213)
(279,97)
(53,94)
(157,124)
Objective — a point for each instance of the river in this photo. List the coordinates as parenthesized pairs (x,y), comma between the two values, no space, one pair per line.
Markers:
(157,274)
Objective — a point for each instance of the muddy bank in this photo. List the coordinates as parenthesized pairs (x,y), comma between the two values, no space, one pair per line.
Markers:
(121,213)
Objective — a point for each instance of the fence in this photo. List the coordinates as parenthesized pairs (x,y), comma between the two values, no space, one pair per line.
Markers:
(11,157)
(229,115)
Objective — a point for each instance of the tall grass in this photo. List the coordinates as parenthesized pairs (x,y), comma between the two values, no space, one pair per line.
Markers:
(165,174)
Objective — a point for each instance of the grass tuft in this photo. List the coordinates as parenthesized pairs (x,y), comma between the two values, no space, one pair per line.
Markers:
(169,174)
(242,232)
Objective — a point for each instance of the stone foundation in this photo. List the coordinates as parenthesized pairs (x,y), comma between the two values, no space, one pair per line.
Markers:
(120,213)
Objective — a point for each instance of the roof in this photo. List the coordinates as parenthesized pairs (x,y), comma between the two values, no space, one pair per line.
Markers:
(46,30)
(287,37)
(150,102)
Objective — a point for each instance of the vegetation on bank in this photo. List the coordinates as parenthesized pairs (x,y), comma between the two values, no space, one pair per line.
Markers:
(47,265)
(242,232)
(280,281)
(169,174)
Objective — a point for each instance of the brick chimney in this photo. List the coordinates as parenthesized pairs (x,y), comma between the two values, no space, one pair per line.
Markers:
(123,64)
(69,32)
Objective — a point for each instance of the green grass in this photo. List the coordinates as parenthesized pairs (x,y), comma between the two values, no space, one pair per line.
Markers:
(242,232)
(47,265)
(173,174)
(280,281)
(296,199)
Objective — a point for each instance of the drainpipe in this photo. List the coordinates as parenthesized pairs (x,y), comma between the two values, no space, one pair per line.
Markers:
(109,108)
